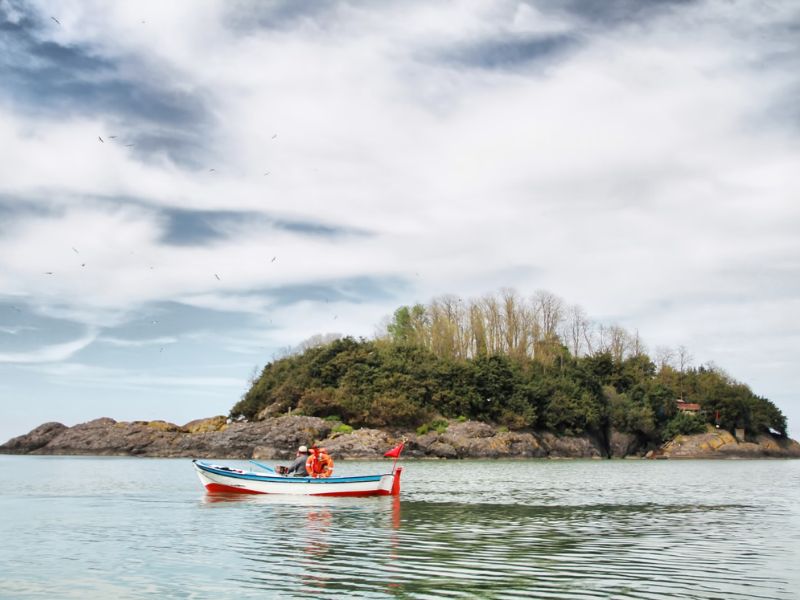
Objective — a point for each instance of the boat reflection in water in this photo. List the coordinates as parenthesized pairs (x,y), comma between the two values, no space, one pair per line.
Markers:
(313,544)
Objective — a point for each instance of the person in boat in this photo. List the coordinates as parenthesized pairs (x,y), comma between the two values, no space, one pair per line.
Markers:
(319,463)
(298,467)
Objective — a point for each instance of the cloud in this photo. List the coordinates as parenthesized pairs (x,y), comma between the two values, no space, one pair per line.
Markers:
(16,329)
(200,227)
(636,158)
(68,78)
(80,374)
(138,343)
(51,352)
(522,51)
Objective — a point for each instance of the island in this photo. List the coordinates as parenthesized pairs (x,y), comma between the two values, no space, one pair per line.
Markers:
(496,377)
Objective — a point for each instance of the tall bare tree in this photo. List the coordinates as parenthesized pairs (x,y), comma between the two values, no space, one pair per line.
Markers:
(684,359)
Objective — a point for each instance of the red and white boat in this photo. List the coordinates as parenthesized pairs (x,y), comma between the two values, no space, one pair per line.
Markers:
(219,478)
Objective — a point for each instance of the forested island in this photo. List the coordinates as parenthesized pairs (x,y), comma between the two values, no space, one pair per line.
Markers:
(529,377)
(518,364)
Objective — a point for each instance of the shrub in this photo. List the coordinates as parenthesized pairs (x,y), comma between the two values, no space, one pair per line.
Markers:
(440,425)
(461,419)
(423,429)
(317,402)
(394,411)
(683,424)
(342,428)
(333,418)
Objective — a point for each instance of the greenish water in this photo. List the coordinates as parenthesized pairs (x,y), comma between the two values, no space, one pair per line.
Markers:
(134,528)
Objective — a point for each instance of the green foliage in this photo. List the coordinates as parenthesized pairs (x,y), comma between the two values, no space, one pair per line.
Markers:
(437,425)
(572,415)
(394,411)
(630,413)
(342,428)
(683,423)
(400,382)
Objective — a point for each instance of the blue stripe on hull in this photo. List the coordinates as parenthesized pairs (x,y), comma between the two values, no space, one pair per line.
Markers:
(288,480)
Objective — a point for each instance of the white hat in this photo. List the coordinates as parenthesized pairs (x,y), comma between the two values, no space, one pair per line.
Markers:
(302,450)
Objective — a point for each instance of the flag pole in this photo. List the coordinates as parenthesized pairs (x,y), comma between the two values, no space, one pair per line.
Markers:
(396,458)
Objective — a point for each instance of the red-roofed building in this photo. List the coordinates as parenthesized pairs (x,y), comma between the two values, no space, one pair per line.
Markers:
(691,407)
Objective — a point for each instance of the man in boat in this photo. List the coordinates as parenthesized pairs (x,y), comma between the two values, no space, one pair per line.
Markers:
(319,463)
(298,467)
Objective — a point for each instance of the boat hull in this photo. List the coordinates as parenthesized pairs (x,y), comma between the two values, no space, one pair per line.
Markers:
(220,479)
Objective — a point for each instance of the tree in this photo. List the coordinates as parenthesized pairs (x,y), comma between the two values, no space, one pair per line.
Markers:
(685,359)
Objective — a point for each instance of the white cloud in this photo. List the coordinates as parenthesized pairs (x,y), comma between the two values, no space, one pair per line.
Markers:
(49,353)
(647,172)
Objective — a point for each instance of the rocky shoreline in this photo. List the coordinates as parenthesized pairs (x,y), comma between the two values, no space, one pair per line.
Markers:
(276,438)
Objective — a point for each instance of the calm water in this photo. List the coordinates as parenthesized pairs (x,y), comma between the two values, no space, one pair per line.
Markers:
(131,528)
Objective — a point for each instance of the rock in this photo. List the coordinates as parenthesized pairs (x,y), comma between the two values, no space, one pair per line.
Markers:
(719,443)
(268,453)
(162,425)
(624,444)
(470,429)
(108,437)
(578,446)
(277,438)
(442,450)
(218,423)
(418,446)
(505,445)
(270,411)
(360,443)
(35,439)
(212,438)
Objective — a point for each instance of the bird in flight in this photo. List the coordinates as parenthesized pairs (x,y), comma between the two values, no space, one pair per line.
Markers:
(56,20)
(217,276)
(101,140)
(266,173)
(75,250)
(211,170)
(274,135)
(49,273)
(273,259)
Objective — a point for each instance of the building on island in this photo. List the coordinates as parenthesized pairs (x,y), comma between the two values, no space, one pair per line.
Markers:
(690,407)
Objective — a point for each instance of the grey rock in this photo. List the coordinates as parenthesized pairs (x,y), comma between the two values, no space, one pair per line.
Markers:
(578,446)
(35,439)
(360,443)
(442,450)
(719,443)
(624,444)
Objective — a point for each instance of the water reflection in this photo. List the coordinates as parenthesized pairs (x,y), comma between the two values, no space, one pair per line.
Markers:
(385,547)
(489,530)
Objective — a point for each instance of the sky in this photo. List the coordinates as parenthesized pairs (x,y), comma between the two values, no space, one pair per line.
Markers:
(189,187)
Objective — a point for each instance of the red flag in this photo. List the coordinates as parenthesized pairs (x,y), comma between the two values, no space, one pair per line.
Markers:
(395,452)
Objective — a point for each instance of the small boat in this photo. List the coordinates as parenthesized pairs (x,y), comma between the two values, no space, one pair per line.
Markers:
(218,478)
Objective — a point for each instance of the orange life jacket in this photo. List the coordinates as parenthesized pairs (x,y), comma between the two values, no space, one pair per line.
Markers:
(319,465)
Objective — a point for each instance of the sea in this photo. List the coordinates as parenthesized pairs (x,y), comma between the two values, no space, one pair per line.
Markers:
(103,527)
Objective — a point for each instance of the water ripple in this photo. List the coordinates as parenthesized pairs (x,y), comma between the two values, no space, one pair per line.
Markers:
(512,530)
